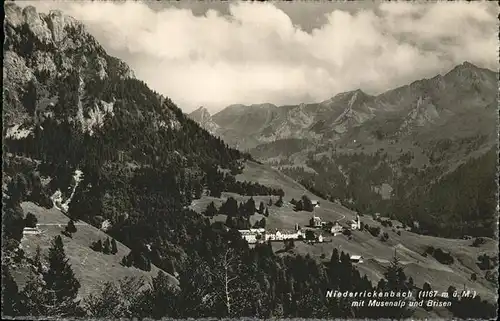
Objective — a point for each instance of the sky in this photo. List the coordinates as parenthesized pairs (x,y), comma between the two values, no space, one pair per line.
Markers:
(214,53)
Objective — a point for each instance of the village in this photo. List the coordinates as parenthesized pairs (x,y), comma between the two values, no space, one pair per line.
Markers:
(314,232)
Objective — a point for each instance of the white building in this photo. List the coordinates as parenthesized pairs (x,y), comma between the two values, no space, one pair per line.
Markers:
(260,235)
(253,235)
(31,231)
(284,235)
(320,239)
(336,228)
(356,259)
(315,203)
(356,224)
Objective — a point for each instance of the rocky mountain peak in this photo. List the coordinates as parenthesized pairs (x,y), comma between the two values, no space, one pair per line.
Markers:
(465,71)
(204,119)
(201,114)
(53,27)
(37,38)
(44,52)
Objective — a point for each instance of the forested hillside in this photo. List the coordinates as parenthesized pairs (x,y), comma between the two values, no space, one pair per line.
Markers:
(460,202)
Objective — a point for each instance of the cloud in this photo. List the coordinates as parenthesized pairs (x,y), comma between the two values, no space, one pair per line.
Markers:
(257,54)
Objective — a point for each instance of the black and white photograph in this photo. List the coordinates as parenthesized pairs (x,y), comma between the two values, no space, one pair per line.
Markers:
(250,160)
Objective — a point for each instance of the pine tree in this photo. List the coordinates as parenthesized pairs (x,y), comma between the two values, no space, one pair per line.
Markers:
(261,208)
(299,206)
(169,266)
(37,261)
(427,287)
(114,248)
(36,300)
(229,221)
(107,303)
(30,220)
(127,260)
(395,280)
(230,207)
(211,210)
(307,204)
(250,207)
(163,297)
(97,246)
(60,278)
(279,202)
(395,276)
(266,213)
(106,247)
(270,203)
(10,294)
(71,228)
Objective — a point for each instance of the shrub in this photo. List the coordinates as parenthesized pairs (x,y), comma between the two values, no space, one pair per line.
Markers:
(211,210)
(66,233)
(106,247)
(440,255)
(374,230)
(30,220)
(307,204)
(310,235)
(485,262)
(70,228)
(289,244)
(478,241)
(96,246)
(279,202)
(114,248)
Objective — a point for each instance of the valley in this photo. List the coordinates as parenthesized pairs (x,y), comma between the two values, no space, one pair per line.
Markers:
(376,153)
(409,246)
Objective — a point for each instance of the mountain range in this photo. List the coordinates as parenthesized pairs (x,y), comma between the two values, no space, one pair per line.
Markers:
(408,110)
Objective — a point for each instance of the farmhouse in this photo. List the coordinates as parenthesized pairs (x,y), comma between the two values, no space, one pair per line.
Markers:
(315,221)
(315,203)
(356,259)
(336,228)
(253,235)
(284,235)
(31,231)
(260,235)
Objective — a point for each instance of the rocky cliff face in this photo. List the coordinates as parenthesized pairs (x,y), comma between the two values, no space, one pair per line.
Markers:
(41,52)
